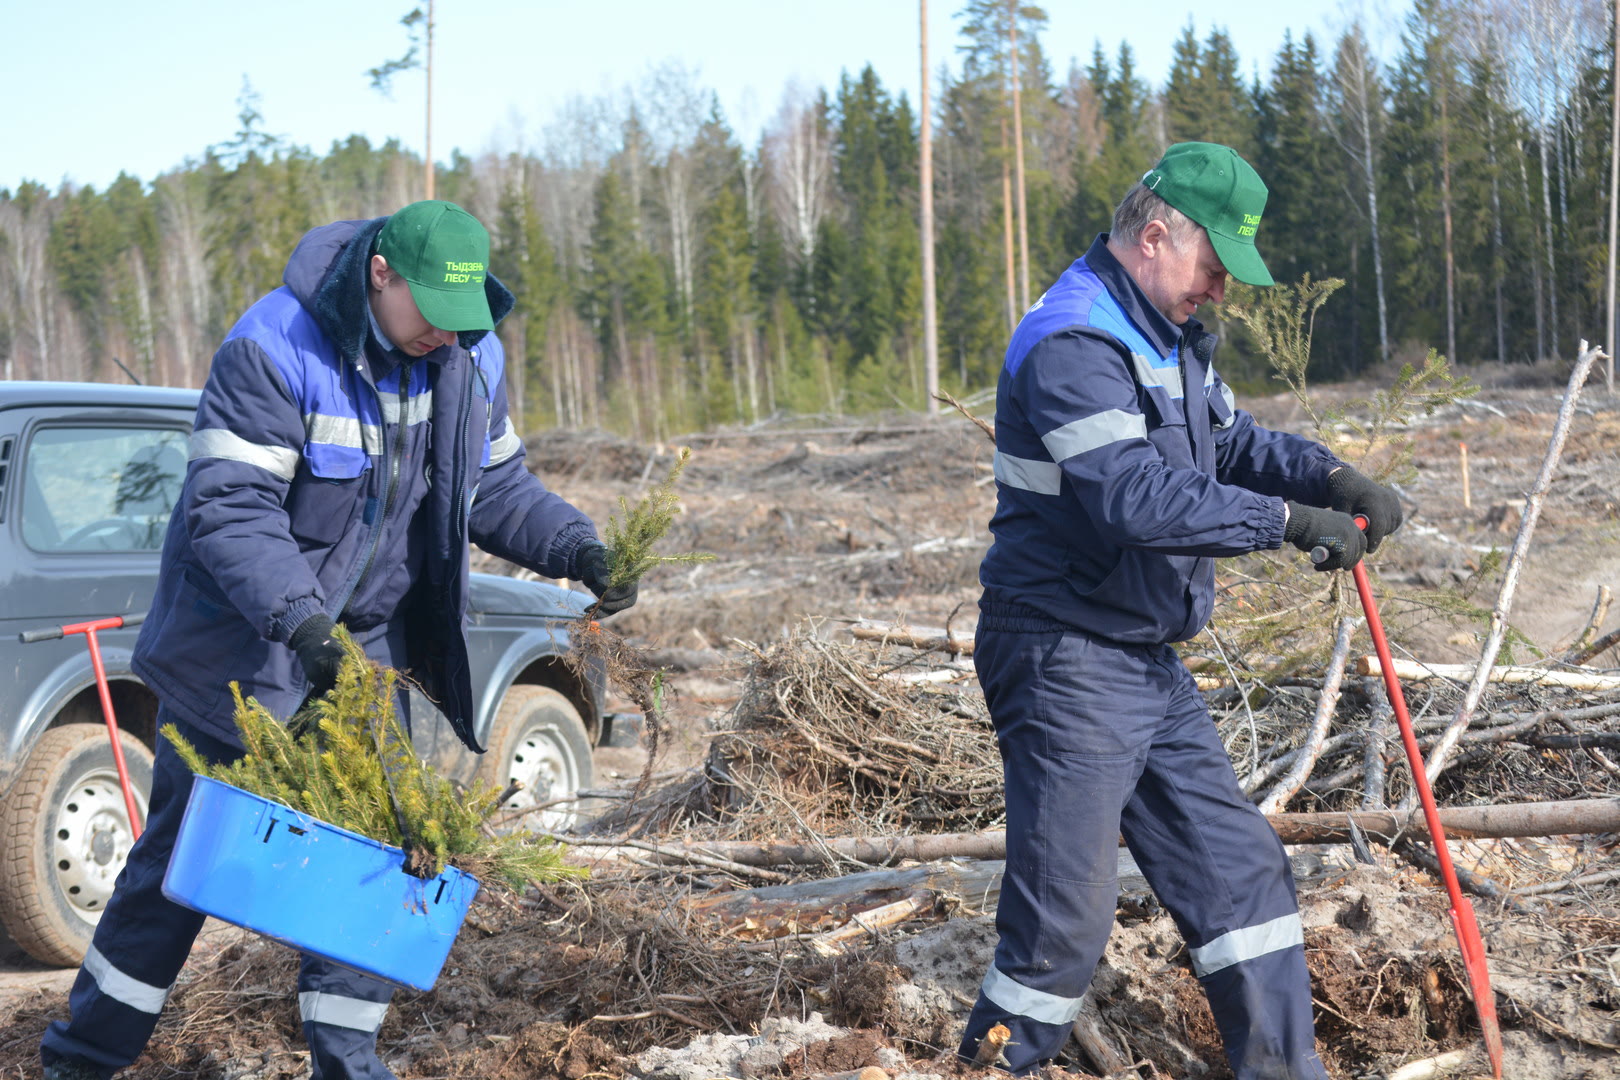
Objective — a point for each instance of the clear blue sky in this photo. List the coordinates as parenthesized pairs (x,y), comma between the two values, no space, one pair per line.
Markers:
(143,85)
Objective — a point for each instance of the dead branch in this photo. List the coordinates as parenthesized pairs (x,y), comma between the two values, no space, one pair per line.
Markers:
(1567,883)
(1515,563)
(1416,671)
(1423,857)
(1586,652)
(1374,772)
(1105,1058)
(1290,784)
(1600,612)
(984,426)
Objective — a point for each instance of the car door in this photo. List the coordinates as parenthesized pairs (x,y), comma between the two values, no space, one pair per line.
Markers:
(83,510)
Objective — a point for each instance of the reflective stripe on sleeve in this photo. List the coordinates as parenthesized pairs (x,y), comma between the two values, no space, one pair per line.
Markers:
(1166,378)
(1231,403)
(220,443)
(1088,433)
(1015,997)
(1041,477)
(315,1007)
(143,997)
(1246,944)
(504,445)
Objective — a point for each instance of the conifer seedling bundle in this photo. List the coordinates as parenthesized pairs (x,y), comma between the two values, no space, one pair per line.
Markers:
(347,760)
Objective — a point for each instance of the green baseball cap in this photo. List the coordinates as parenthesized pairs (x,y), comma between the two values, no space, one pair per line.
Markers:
(442,252)
(1215,187)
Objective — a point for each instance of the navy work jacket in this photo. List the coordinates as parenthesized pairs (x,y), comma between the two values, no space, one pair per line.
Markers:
(310,484)
(1123,467)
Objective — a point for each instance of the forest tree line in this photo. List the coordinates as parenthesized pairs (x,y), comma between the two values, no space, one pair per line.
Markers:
(670,277)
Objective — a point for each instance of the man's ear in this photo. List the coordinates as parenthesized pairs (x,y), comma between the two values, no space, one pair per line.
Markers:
(378,272)
(1155,235)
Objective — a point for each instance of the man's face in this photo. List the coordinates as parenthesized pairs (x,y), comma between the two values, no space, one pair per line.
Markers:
(1179,278)
(397,314)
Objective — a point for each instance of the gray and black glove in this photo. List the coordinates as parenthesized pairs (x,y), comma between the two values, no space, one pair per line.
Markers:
(596,574)
(1354,493)
(319,652)
(1333,531)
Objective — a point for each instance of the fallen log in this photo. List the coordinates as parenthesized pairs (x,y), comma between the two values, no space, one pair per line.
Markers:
(1460,822)
(1413,671)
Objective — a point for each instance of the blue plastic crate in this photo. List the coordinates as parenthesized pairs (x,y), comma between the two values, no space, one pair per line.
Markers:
(314,886)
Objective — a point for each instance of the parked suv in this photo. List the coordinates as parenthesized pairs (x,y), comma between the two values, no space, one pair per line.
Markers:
(88,476)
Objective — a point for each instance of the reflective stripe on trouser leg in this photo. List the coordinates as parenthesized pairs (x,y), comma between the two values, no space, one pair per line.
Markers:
(1073,718)
(143,938)
(342,1011)
(1223,875)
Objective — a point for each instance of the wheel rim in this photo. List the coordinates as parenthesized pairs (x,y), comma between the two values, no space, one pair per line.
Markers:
(90,839)
(546,770)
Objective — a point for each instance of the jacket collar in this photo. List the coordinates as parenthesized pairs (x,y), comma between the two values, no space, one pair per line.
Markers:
(1165,335)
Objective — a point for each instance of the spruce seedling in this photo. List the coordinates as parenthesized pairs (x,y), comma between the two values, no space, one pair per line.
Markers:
(630,541)
(347,760)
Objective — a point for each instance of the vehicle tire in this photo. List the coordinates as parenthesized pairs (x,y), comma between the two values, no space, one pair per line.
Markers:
(65,837)
(538,740)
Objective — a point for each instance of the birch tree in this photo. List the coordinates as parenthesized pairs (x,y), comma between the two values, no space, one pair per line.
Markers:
(1359,106)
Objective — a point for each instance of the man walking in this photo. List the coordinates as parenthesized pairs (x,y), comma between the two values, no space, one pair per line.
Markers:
(1123,471)
(351,439)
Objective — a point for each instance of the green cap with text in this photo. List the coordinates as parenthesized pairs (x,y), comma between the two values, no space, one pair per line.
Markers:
(1215,187)
(442,252)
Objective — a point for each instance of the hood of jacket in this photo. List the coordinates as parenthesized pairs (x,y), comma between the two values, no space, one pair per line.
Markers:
(327,273)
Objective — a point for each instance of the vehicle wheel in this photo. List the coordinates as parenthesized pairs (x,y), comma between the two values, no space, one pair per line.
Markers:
(65,838)
(539,741)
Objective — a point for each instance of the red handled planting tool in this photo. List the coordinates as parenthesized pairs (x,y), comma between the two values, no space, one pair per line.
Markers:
(1462,912)
(88,629)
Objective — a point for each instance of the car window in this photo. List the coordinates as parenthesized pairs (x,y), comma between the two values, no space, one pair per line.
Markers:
(101,488)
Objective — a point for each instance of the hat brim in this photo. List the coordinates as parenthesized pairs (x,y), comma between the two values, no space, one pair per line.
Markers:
(457,311)
(1241,260)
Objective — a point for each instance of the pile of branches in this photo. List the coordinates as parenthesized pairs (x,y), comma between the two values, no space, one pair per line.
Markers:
(1525,742)
(875,739)
(832,739)
(838,739)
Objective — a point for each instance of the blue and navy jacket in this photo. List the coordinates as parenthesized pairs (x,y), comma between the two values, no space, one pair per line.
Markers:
(328,476)
(1123,468)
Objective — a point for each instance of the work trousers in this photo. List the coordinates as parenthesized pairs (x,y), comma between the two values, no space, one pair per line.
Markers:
(1099,739)
(143,939)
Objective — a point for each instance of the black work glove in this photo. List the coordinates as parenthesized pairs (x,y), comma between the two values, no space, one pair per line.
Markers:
(594,572)
(1333,531)
(320,653)
(1354,493)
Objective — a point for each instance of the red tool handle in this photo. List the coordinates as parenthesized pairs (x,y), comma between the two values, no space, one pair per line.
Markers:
(88,629)
(1462,911)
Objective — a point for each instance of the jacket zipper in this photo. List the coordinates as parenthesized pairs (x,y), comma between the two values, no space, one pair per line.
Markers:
(458,531)
(393,463)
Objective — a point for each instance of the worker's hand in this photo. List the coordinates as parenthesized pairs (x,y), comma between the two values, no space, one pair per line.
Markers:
(319,651)
(1354,493)
(1319,532)
(595,573)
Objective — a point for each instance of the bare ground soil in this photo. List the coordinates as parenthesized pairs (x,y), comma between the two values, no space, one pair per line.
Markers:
(845,520)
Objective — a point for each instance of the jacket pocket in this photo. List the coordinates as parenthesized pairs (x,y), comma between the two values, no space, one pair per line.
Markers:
(203,642)
(326,497)
(1167,429)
